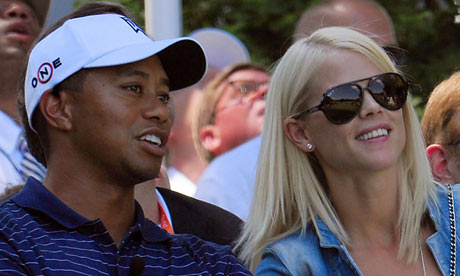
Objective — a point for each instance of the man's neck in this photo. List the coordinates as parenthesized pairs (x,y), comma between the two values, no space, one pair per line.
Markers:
(145,194)
(93,197)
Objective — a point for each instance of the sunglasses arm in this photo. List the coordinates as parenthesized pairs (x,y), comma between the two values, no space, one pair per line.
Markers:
(305,112)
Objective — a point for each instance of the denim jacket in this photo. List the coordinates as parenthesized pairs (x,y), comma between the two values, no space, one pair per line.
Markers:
(308,255)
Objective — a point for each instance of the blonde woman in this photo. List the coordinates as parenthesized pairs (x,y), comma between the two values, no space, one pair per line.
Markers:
(343,184)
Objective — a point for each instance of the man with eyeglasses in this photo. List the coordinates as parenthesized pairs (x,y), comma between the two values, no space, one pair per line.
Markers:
(231,112)
(441,128)
(232,109)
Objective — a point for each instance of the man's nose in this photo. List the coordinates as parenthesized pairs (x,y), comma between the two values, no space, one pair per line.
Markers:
(260,93)
(18,10)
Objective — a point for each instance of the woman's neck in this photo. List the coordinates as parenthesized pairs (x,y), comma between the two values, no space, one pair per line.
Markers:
(367,204)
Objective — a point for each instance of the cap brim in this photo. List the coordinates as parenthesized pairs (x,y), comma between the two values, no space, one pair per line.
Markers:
(183,59)
(184,62)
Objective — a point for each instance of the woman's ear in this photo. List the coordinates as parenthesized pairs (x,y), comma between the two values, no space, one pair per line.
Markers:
(55,108)
(298,135)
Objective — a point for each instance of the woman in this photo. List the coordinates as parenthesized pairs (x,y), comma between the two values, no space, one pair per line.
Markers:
(343,184)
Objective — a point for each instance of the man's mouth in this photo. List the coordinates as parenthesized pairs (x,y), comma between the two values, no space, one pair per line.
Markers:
(20,32)
(152,139)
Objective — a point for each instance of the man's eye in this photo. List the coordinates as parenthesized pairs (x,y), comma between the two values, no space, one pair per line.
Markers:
(164,98)
(134,88)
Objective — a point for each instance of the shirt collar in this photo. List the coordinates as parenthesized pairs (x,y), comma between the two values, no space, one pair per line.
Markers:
(150,231)
(10,133)
(36,196)
(328,239)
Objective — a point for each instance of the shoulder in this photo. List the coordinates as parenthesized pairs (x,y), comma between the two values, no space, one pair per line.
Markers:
(296,254)
(11,215)
(296,246)
(211,257)
(15,238)
(230,172)
(240,157)
(200,218)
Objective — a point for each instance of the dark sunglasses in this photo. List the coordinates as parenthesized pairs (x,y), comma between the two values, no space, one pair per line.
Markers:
(340,104)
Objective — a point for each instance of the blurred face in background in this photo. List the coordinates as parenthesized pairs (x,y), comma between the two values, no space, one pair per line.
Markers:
(19,27)
(239,114)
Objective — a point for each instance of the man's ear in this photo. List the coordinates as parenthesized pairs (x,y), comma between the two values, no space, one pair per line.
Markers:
(210,138)
(297,134)
(55,107)
(438,158)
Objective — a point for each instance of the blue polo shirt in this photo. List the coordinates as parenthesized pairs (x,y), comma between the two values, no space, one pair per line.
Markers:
(40,235)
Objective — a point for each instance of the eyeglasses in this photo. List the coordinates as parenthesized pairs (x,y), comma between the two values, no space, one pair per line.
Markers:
(249,91)
(340,104)
(246,87)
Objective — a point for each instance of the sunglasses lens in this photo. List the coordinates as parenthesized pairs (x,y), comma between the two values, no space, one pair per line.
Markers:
(341,104)
(389,90)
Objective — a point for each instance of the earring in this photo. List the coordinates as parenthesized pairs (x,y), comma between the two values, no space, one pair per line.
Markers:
(309,146)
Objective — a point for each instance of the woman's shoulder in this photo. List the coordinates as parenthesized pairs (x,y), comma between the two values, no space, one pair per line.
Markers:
(298,254)
(295,241)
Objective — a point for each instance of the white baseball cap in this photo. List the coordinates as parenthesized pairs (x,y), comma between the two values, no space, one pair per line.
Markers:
(221,47)
(106,40)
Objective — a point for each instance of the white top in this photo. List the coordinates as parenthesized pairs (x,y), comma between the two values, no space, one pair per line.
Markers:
(10,155)
(180,183)
(228,181)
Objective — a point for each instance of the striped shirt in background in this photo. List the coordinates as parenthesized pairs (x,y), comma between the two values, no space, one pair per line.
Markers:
(40,235)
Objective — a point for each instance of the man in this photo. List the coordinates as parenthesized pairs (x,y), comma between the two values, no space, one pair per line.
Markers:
(231,110)
(95,110)
(230,178)
(20,23)
(441,128)
(184,164)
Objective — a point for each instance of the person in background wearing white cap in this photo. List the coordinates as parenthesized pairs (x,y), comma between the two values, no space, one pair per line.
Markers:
(95,108)
(184,164)
(20,23)
(233,173)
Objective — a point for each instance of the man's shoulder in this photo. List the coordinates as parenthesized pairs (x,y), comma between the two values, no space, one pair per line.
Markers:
(10,212)
(200,218)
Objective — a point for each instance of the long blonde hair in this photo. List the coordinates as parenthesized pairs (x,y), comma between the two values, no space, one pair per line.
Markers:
(290,190)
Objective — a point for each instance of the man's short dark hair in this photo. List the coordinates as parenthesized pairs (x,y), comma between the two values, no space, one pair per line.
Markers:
(38,142)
